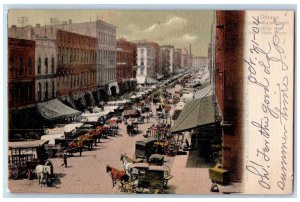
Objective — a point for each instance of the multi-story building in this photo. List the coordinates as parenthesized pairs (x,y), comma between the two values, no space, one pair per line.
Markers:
(184,58)
(105,34)
(200,62)
(171,56)
(45,69)
(177,58)
(76,65)
(145,62)
(164,61)
(21,73)
(126,60)
(156,48)
(229,91)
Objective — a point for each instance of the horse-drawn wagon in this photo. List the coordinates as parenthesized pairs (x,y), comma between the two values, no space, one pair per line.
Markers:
(24,156)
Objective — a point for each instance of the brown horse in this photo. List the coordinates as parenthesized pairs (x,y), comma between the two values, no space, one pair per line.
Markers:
(117,175)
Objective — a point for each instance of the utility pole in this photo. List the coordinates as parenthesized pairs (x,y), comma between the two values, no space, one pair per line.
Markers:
(22,20)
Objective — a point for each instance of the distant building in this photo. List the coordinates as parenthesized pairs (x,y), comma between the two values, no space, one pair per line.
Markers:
(76,66)
(164,61)
(200,62)
(145,62)
(21,73)
(177,58)
(45,69)
(184,58)
(170,57)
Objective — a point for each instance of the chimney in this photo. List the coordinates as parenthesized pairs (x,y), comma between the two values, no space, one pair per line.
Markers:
(38,25)
(70,21)
(190,49)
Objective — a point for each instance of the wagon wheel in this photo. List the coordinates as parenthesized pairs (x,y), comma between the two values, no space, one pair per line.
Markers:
(13,172)
(156,189)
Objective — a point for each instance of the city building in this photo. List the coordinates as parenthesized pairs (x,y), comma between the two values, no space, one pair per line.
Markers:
(177,58)
(21,73)
(145,63)
(76,67)
(164,61)
(105,34)
(184,58)
(170,57)
(199,62)
(229,88)
(45,69)
(126,60)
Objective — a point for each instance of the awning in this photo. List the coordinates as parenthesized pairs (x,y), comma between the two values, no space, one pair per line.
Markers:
(26,144)
(114,84)
(151,80)
(204,92)
(54,109)
(196,113)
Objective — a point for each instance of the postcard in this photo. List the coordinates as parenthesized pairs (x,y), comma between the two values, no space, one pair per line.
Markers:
(150,101)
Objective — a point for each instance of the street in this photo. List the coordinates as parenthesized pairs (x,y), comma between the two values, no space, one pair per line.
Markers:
(87,174)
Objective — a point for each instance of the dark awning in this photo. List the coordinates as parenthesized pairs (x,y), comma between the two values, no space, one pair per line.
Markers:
(54,109)
(196,113)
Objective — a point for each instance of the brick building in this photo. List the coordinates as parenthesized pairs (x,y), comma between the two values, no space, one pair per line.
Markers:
(229,87)
(177,58)
(164,61)
(184,58)
(21,73)
(76,66)
(126,60)
(170,57)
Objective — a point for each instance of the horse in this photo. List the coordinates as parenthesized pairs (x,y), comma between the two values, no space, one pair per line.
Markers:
(49,163)
(117,175)
(43,173)
(126,164)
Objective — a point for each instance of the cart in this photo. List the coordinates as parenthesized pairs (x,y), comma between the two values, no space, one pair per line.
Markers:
(24,156)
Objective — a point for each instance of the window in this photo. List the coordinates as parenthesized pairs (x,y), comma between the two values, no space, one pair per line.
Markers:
(39,64)
(46,65)
(52,64)
(21,67)
(39,92)
(29,67)
(46,91)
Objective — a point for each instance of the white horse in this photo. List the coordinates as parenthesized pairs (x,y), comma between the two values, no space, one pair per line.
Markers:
(131,172)
(43,172)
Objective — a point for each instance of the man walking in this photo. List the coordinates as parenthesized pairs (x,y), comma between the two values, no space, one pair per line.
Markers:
(65,160)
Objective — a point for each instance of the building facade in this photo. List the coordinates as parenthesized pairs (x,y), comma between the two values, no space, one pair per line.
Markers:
(21,73)
(184,58)
(145,62)
(177,58)
(229,87)
(76,65)
(45,69)
(164,61)
(126,60)
(170,57)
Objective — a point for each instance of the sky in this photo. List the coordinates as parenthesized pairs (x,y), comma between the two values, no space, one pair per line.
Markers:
(175,27)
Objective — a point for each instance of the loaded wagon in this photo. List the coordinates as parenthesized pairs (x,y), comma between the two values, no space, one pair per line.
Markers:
(153,179)
(24,156)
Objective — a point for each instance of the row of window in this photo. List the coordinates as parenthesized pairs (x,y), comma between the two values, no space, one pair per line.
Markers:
(107,39)
(68,55)
(21,96)
(106,56)
(74,81)
(76,39)
(45,64)
(46,92)
(20,67)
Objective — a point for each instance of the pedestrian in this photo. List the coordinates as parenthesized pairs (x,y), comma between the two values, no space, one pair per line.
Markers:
(65,163)
(187,143)
(80,151)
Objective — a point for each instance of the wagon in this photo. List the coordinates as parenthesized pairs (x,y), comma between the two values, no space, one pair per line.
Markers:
(151,178)
(24,156)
